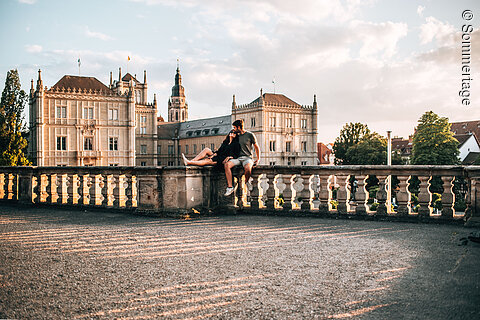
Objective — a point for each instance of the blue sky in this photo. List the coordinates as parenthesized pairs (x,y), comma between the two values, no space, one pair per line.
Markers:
(379,62)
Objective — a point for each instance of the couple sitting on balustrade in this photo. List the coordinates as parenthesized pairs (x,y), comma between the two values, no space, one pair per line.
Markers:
(235,150)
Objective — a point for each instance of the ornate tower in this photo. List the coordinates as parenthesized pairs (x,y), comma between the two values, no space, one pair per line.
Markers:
(177,105)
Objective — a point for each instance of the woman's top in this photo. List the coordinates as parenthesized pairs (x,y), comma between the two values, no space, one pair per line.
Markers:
(231,149)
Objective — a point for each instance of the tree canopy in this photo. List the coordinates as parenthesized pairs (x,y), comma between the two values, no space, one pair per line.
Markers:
(350,135)
(433,142)
(12,129)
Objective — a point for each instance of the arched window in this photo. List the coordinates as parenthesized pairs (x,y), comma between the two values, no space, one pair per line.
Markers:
(176,115)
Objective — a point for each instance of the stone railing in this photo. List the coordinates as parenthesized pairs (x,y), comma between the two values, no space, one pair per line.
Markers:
(315,190)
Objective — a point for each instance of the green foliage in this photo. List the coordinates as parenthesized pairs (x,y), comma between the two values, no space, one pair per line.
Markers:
(433,142)
(12,130)
(371,149)
(350,135)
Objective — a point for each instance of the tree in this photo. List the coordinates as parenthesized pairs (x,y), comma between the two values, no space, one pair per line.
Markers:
(350,135)
(371,149)
(12,129)
(433,142)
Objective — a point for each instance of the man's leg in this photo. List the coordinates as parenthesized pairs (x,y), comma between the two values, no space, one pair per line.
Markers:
(228,173)
(248,171)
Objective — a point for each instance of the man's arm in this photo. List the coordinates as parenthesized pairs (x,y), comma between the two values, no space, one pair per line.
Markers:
(257,152)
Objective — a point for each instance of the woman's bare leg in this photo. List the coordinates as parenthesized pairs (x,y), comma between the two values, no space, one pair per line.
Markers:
(203,154)
(201,163)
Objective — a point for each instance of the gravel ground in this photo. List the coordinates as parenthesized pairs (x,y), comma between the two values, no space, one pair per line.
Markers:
(60,264)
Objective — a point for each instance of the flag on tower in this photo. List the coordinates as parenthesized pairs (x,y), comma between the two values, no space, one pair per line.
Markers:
(128,58)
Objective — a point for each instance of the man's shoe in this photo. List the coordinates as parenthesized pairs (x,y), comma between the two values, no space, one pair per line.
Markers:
(184,160)
(229,191)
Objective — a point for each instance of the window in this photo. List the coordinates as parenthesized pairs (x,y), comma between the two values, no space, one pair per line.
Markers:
(61,143)
(113,144)
(113,164)
(143,130)
(112,114)
(288,146)
(186,149)
(273,122)
(197,133)
(304,123)
(159,149)
(88,143)
(143,149)
(272,163)
(195,149)
(88,113)
(212,146)
(159,162)
(179,149)
(62,112)
(143,163)
(288,122)
(252,122)
(170,163)
(170,149)
(203,146)
(304,163)
(304,146)
(272,146)
(138,96)
(143,119)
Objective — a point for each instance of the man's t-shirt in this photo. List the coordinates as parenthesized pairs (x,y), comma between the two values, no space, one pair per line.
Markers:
(246,141)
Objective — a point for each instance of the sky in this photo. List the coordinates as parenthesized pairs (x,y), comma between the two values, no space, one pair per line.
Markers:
(379,62)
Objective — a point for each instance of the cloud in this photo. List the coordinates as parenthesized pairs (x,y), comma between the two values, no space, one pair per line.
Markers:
(420,10)
(97,35)
(27,1)
(33,48)
(442,32)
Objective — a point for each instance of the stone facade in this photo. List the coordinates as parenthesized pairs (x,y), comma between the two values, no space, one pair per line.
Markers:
(80,121)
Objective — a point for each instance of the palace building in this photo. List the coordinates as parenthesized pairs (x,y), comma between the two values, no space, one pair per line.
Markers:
(80,121)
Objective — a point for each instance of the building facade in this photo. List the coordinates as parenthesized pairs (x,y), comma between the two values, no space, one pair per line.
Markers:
(80,121)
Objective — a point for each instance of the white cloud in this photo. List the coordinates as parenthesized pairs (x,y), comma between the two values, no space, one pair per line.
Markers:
(420,10)
(97,35)
(33,48)
(27,1)
(442,32)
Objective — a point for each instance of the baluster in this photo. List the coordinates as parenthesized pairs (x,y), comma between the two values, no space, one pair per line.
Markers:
(2,185)
(35,194)
(315,186)
(403,196)
(63,183)
(134,192)
(122,187)
(96,190)
(305,193)
(254,191)
(343,194)
(287,192)
(269,190)
(86,184)
(73,187)
(297,187)
(116,190)
(239,191)
(11,187)
(53,188)
(382,195)
(325,194)
(44,188)
(110,187)
(280,187)
(361,195)
(129,183)
(424,197)
(448,198)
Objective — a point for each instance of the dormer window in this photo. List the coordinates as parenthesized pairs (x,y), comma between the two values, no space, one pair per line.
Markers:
(206,131)
(215,130)
(189,133)
(198,132)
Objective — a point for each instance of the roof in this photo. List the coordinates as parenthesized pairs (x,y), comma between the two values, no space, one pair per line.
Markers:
(218,126)
(466,127)
(471,158)
(272,98)
(79,82)
(127,77)
(462,138)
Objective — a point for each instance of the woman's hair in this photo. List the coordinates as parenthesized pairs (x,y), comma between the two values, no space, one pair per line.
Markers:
(227,138)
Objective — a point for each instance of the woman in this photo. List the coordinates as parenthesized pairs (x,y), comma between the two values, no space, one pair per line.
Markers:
(229,149)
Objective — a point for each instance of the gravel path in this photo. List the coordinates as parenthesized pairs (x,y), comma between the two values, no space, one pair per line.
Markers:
(60,264)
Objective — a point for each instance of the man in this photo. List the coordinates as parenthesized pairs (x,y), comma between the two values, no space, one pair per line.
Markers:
(247,140)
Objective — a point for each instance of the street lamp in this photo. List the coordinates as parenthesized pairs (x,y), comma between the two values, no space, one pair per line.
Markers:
(389,178)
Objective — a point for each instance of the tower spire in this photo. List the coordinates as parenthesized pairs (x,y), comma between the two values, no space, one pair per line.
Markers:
(145,76)
(119,74)
(111,79)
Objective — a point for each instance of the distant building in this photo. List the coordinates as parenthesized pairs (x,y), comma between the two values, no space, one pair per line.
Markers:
(325,154)
(466,127)
(467,143)
(80,121)
(403,147)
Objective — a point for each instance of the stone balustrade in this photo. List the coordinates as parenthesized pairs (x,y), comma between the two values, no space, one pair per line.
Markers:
(314,190)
